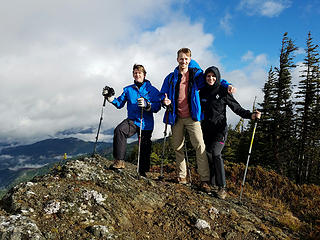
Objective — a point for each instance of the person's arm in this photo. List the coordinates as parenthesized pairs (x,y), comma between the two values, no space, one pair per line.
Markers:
(226,84)
(164,92)
(154,101)
(120,101)
(236,108)
(165,86)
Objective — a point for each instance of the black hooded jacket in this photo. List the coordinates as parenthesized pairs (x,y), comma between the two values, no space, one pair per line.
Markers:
(214,100)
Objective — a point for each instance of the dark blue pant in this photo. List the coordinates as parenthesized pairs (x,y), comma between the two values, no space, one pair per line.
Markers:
(127,129)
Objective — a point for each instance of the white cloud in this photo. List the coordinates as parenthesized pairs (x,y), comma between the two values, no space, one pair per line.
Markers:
(269,8)
(32,166)
(260,59)
(57,56)
(225,24)
(249,82)
(296,73)
(248,56)
(311,7)
(5,157)
(300,51)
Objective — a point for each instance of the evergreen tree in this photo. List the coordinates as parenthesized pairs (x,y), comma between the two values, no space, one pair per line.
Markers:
(308,114)
(269,102)
(315,178)
(283,127)
(229,152)
(265,126)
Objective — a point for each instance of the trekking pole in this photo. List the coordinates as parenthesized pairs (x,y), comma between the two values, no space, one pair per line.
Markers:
(139,142)
(187,160)
(101,118)
(245,172)
(164,144)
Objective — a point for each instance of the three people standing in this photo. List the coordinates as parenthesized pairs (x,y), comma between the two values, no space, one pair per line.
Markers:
(191,96)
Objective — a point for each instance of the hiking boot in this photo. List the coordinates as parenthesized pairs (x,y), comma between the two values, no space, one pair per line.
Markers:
(143,174)
(222,193)
(181,180)
(118,164)
(122,164)
(205,187)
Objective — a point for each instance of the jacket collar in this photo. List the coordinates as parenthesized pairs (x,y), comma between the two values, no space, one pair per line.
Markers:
(144,85)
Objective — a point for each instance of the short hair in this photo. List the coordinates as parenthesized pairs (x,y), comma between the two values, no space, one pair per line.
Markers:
(139,67)
(186,51)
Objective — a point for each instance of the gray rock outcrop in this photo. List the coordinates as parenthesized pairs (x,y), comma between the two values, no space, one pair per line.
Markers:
(85,200)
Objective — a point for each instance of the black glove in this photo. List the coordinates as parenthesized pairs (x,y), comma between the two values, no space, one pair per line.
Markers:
(108,92)
(169,108)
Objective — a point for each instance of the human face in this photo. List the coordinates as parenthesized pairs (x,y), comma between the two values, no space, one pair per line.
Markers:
(183,60)
(138,76)
(211,78)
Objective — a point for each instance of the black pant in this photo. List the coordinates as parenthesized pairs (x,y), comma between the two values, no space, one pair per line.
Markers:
(215,141)
(216,164)
(127,129)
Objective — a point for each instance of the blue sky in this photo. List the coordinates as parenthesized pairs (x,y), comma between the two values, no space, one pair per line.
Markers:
(56,56)
(241,26)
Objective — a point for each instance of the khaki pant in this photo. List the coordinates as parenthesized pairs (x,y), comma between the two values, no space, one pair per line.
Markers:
(195,133)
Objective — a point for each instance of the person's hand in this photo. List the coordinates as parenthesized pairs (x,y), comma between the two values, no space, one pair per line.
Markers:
(108,92)
(142,103)
(166,100)
(256,115)
(231,89)
(110,99)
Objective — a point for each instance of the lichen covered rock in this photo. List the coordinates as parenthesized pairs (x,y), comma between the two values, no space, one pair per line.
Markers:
(85,200)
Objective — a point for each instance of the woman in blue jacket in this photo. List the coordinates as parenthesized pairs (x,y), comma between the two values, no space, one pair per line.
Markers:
(140,94)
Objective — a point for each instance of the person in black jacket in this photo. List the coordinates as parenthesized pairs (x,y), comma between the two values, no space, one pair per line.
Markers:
(214,100)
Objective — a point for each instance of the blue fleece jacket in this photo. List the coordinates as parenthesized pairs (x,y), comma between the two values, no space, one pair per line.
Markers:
(170,86)
(130,95)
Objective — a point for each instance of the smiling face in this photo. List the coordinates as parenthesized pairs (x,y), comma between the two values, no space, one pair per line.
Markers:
(211,78)
(138,75)
(183,60)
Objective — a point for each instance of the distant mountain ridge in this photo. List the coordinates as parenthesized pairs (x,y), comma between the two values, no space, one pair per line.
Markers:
(6,145)
(90,130)
(16,161)
(55,146)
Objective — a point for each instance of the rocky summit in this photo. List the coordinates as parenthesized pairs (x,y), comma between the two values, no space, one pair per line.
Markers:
(84,199)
